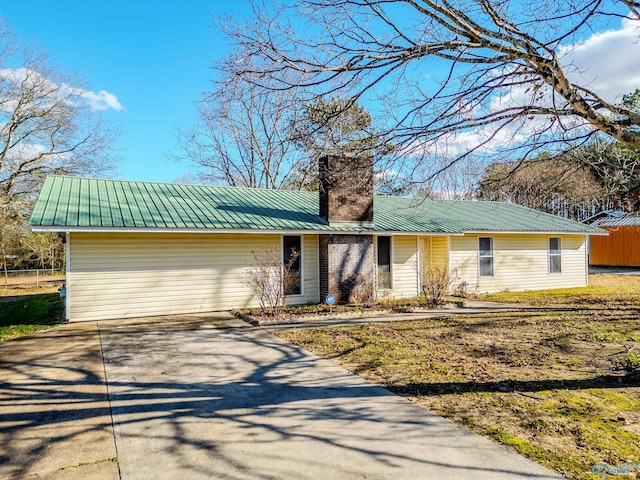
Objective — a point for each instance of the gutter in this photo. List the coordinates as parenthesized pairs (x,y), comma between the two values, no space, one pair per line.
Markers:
(328,231)
(44,228)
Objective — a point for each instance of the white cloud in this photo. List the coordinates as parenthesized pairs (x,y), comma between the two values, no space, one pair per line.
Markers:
(102,100)
(485,140)
(21,152)
(607,62)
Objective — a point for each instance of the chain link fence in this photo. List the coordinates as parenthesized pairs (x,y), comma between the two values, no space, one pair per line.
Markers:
(33,278)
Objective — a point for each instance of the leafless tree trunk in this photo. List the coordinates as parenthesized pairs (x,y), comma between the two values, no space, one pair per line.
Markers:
(12,229)
(464,78)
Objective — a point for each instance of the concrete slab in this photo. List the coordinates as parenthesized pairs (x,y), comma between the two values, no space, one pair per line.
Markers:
(55,420)
(614,270)
(210,397)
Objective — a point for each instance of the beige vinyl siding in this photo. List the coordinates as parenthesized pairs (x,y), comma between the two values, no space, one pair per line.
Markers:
(404,268)
(435,252)
(310,272)
(118,275)
(520,262)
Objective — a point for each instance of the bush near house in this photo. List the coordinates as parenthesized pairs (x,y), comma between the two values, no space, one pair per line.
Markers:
(436,282)
(272,280)
(557,384)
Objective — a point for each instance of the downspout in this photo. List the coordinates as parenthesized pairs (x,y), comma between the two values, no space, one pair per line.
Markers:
(67,301)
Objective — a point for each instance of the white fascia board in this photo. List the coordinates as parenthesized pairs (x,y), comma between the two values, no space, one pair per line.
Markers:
(397,234)
(41,228)
(501,232)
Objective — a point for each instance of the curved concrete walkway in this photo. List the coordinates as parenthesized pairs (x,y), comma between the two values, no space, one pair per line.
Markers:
(208,396)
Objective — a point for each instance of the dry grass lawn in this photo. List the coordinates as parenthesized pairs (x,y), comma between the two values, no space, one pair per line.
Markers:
(549,383)
(10,293)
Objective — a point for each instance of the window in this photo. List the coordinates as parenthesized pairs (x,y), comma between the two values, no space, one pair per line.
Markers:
(485,256)
(291,259)
(555,255)
(384,262)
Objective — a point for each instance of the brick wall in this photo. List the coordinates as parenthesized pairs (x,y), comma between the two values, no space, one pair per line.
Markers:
(346,267)
(346,189)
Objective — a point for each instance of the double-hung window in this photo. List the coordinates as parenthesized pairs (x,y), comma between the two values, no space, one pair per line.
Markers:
(555,255)
(485,257)
(291,261)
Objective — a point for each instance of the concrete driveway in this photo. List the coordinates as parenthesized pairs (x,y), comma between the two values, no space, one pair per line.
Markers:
(210,397)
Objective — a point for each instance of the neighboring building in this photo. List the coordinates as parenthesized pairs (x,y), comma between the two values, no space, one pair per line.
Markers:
(621,248)
(139,249)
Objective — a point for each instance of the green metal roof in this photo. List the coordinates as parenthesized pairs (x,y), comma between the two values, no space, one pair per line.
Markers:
(74,203)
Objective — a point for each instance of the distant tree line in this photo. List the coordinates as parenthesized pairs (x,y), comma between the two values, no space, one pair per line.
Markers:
(576,184)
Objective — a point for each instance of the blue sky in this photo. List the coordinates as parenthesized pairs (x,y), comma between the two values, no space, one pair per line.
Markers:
(154,56)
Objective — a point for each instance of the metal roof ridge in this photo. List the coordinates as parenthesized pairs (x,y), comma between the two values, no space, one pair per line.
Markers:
(225,187)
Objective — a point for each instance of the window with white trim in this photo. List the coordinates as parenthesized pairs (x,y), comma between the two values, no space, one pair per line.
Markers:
(555,255)
(292,258)
(485,257)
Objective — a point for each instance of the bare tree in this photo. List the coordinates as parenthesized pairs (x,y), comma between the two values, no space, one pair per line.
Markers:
(43,250)
(12,230)
(242,138)
(616,167)
(459,181)
(48,124)
(479,77)
(547,184)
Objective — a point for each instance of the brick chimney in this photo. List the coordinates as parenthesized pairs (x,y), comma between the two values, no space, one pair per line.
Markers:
(346,261)
(346,189)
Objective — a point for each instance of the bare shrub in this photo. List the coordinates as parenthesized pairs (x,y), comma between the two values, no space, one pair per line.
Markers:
(362,292)
(271,280)
(435,285)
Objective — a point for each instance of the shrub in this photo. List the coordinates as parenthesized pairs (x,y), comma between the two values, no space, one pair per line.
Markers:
(362,292)
(271,279)
(631,364)
(435,285)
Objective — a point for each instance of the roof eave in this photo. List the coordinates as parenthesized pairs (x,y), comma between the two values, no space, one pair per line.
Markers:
(533,232)
(327,231)
(320,231)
